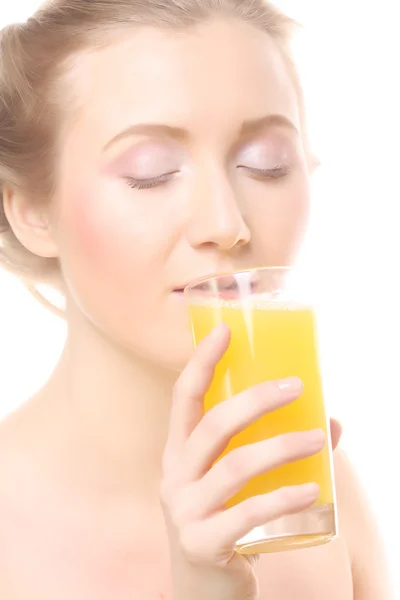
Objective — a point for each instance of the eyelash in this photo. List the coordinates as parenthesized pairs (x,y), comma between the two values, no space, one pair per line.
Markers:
(145,184)
(277,172)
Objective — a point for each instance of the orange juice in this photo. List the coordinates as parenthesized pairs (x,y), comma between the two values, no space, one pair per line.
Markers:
(268,342)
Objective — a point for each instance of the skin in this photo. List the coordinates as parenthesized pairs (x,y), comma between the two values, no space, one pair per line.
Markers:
(82,461)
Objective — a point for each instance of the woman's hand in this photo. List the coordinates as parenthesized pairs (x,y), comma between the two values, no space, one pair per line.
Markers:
(202,532)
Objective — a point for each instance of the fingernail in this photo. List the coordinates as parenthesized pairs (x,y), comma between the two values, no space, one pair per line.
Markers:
(291,384)
(317,438)
(219,329)
(310,490)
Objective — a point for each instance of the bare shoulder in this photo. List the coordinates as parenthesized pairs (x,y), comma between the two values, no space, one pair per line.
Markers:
(315,573)
(352,567)
(16,491)
(16,435)
(22,445)
(14,444)
(16,462)
(27,475)
(360,532)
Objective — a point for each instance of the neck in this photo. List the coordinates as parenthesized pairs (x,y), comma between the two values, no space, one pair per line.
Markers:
(115,412)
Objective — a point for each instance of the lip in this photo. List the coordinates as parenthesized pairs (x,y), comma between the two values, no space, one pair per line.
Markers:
(225,281)
(225,278)
(181,288)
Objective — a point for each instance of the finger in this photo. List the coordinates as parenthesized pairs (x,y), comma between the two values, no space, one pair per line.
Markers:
(193,383)
(229,475)
(211,436)
(336,432)
(213,540)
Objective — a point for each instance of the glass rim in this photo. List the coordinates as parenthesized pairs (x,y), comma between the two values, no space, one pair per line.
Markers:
(208,278)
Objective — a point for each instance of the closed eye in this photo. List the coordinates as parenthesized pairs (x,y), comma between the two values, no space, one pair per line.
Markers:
(142,184)
(274,173)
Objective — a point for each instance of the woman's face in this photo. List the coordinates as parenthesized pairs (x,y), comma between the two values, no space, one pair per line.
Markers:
(185,159)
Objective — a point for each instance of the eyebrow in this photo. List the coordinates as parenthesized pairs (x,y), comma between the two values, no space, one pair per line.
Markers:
(254,125)
(179,133)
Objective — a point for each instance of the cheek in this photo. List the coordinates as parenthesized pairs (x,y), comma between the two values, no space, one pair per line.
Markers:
(107,252)
(113,257)
(100,238)
(281,219)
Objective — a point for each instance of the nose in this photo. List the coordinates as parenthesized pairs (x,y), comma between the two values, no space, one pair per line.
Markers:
(216,218)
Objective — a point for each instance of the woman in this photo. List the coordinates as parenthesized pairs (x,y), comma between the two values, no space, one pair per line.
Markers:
(143,145)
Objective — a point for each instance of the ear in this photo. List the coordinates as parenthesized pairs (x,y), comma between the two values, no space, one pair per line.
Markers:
(30,222)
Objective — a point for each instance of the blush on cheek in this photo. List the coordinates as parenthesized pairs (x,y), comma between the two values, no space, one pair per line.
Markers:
(96,248)
(95,233)
(109,258)
(85,228)
(109,251)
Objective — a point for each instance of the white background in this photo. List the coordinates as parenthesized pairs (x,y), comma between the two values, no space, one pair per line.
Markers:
(347,56)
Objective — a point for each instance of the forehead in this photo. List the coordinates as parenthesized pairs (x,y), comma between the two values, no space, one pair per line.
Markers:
(221,73)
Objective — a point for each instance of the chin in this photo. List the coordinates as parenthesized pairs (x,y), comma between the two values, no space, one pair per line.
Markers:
(164,351)
(176,355)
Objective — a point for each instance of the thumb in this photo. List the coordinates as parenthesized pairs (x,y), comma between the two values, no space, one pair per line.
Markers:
(336,432)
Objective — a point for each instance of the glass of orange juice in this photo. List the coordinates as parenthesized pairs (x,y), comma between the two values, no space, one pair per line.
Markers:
(273,336)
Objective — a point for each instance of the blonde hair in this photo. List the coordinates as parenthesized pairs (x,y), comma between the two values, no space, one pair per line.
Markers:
(35,58)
